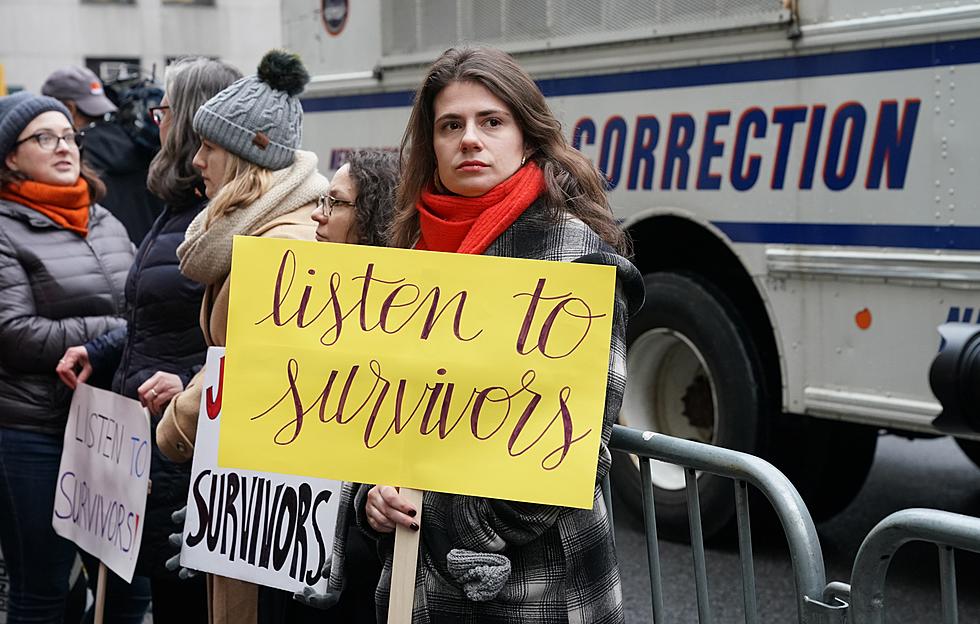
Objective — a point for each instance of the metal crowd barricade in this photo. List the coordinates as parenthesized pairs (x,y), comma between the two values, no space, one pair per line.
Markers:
(861,602)
(801,535)
(946,530)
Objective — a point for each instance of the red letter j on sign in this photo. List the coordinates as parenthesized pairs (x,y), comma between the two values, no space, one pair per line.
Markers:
(213,404)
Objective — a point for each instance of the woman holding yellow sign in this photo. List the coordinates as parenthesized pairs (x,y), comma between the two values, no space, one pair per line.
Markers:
(487,171)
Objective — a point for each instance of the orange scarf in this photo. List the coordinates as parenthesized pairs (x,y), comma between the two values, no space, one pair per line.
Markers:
(469,224)
(67,206)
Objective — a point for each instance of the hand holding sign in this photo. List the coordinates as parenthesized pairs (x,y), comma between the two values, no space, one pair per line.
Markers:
(386,508)
(74,358)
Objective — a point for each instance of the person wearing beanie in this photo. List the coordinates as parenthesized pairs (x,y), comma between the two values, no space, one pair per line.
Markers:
(109,149)
(260,183)
(63,266)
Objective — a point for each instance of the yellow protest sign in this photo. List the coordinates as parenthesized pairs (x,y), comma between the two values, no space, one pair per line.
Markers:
(446,372)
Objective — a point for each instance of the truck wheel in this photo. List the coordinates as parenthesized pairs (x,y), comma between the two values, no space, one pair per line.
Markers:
(971,448)
(827,460)
(692,373)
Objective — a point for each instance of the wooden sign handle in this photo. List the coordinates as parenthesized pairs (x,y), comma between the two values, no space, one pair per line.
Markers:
(404,564)
(100,594)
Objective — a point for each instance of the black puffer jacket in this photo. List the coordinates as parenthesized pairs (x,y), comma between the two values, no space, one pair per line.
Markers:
(163,334)
(164,329)
(122,165)
(57,289)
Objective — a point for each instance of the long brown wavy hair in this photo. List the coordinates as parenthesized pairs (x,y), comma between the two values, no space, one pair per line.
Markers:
(573,184)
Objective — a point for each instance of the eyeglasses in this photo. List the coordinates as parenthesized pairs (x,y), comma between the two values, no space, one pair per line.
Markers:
(49,142)
(328,203)
(156,113)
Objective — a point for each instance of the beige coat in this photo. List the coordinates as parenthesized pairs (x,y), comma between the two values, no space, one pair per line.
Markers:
(177,429)
(230,601)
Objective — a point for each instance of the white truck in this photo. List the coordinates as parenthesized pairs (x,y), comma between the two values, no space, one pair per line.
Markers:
(800,179)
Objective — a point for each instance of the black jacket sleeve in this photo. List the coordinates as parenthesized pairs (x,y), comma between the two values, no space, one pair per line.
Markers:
(105,351)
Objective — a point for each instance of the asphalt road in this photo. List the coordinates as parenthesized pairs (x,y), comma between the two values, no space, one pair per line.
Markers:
(917,473)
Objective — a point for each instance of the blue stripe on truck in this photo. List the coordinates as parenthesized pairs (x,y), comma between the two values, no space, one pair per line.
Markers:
(853,234)
(803,66)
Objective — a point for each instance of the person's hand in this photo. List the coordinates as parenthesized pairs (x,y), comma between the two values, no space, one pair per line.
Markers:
(386,508)
(315,599)
(158,390)
(177,540)
(74,359)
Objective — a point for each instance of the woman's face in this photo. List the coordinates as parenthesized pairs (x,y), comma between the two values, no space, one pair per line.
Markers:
(60,165)
(476,139)
(211,160)
(337,224)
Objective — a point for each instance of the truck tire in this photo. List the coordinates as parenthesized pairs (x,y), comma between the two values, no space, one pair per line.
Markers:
(693,373)
(970,448)
(827,460)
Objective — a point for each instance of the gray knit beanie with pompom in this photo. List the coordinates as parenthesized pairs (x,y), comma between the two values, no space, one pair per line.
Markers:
(259,118)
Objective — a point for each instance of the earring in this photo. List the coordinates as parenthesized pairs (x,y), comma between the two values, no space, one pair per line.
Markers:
(523,159)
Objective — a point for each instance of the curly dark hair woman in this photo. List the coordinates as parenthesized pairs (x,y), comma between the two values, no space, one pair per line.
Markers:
(361,201)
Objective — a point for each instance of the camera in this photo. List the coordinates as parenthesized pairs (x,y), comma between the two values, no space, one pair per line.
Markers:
(955,378)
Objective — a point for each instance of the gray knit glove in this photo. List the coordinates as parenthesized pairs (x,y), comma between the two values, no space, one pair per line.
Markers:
(313,598)
(318,600)
(177,540)
(482,575)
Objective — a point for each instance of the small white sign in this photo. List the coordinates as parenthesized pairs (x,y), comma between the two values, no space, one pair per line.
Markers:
(265,528)
(100,499)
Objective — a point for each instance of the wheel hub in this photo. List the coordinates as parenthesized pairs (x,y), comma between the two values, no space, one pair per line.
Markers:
(669,389)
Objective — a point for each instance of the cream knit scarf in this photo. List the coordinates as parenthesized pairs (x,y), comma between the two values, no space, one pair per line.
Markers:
(205,254)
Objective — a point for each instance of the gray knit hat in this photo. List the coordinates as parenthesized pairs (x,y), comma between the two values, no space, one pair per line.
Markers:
(259,118)
(20,109)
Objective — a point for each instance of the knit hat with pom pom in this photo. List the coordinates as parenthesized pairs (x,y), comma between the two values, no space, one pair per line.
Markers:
(259,118)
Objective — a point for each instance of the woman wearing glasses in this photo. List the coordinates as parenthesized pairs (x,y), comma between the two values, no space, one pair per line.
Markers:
(259,184)
(161,348)
(63,265)
(362,195)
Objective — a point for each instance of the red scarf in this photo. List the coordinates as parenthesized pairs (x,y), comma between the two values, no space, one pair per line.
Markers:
(469,224)
(67,206)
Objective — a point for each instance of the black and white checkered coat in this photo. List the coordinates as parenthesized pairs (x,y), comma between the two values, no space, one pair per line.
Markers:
(563,564)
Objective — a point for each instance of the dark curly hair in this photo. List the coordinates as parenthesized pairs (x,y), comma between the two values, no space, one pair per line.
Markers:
(375,176)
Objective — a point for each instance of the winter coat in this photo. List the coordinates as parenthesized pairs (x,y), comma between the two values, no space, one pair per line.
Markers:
(57,289)
(296,189)
(162,334)
(563,562)
(122,165)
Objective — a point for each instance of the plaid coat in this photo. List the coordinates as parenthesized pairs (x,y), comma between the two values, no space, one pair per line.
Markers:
(563,563)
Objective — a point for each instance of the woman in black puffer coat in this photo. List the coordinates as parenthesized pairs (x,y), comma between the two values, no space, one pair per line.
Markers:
(63,262)
(163,347)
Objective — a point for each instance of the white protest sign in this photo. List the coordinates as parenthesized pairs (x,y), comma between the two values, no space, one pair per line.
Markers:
(266,528)
(100,499)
